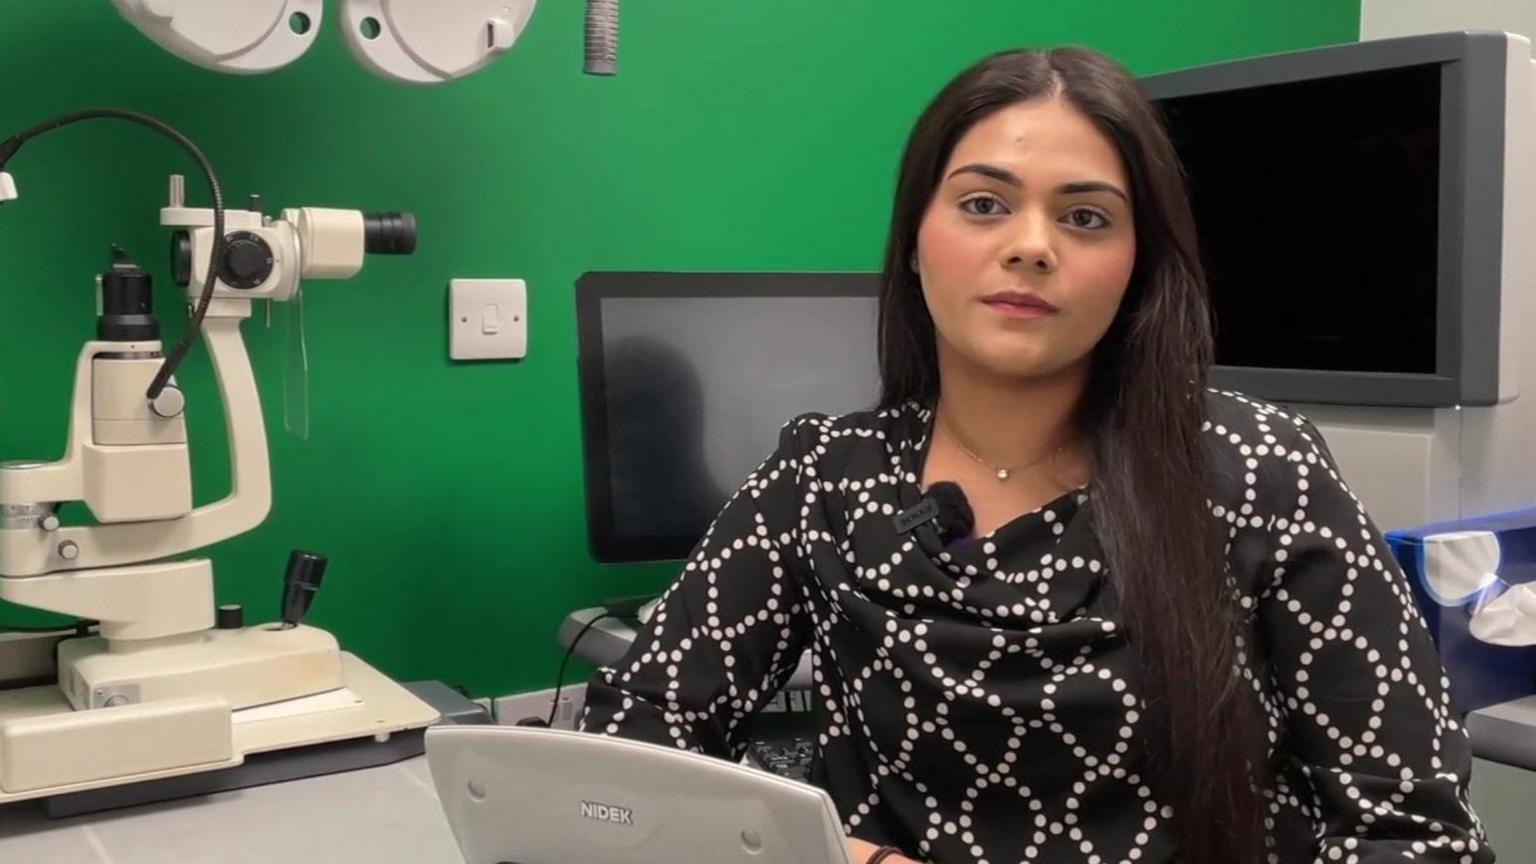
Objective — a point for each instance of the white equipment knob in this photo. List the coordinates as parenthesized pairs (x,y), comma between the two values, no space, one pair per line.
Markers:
(169,404)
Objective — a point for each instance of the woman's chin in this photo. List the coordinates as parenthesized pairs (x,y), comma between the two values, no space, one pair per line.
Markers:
(1024,367)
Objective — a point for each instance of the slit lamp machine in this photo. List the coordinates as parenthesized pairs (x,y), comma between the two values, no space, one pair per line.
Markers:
(154,682)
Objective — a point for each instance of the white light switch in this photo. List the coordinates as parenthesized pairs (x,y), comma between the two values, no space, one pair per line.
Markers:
(487,319)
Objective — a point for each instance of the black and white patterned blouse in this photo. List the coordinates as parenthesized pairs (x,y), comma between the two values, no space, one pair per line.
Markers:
(980,704)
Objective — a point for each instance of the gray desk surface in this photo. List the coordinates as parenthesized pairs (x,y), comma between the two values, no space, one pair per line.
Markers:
(1506,733)
(373,816)
(390,815)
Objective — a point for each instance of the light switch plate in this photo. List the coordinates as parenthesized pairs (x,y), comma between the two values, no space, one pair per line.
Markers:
(487,319)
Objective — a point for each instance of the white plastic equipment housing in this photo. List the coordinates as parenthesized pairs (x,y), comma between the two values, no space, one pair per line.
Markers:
(241,36)
(32,553)
(428,43)
(331,242)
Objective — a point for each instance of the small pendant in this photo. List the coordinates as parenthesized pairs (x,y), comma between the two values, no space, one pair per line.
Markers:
(1002,474)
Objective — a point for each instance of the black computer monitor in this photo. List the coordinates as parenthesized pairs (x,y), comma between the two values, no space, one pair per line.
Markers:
(1350,201)
(686,379)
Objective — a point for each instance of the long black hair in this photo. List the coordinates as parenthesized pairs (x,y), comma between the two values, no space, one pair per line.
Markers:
(1141,416)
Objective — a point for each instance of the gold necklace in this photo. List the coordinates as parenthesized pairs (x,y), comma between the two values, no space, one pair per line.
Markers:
(1002,472)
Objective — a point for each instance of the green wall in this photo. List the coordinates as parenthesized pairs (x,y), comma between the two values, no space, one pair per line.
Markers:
(739,136)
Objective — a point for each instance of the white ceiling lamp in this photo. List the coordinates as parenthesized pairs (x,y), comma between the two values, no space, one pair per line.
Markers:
(430,41)
(240,36)
(416,41)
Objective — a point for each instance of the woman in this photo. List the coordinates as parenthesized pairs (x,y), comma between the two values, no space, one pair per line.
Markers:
(1173,634)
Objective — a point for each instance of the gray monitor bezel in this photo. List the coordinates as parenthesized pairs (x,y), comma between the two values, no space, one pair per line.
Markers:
(1470,253)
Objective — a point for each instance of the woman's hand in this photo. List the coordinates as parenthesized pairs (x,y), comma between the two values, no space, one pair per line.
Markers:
(859,851)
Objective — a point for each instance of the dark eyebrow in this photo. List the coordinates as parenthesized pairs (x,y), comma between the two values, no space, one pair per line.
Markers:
(1006,176)
(992,171)
(1093,186)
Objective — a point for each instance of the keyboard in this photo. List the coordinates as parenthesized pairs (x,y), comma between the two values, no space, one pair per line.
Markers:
(784,743)
(792,758)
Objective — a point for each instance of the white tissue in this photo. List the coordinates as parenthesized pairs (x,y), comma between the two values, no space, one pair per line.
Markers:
(1458,565)
(1508,619)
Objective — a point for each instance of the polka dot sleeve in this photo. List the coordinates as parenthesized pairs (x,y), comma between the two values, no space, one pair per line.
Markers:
(726,635)
(1368,724)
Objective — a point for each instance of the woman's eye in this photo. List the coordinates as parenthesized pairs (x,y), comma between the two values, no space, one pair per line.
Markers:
(1083,217)
(982,205)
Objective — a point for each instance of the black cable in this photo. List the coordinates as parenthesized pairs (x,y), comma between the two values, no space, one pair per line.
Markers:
(174,357)
(554,705)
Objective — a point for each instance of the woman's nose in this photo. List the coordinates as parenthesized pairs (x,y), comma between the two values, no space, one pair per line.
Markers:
(1030,245)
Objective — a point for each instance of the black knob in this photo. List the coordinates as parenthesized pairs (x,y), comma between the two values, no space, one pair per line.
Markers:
(181,258)
(305,572)
(247,262)
(244,260)
(389,233)
(230,616)
(127,302)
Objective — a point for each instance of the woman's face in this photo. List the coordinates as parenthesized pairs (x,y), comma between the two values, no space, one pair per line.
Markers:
(1027,246)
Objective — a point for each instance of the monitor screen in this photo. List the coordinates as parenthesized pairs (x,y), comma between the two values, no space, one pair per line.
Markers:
(1318,208)
(1351,202)
(686,381)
